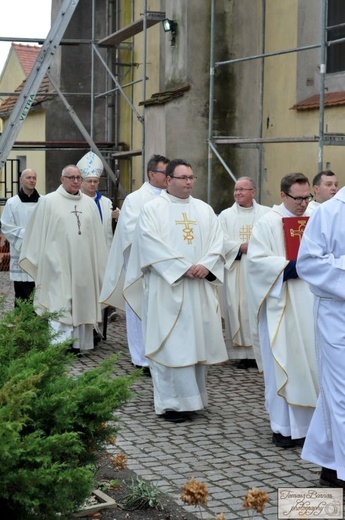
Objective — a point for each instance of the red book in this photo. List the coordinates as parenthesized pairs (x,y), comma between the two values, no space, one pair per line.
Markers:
(293,228)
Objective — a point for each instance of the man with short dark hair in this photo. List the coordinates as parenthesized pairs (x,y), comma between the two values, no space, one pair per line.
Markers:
(175,269)
(283,305)
(16,215)
(64,251)
(120,252)
(325,185)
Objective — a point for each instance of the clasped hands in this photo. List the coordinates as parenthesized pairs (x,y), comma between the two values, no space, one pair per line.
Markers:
(196,271)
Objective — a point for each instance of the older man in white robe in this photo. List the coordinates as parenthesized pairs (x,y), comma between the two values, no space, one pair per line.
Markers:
(64,251)
(284,308)
(321,263)
(237,222)
(16,215)
(120,251)
(175,267)
(91,169)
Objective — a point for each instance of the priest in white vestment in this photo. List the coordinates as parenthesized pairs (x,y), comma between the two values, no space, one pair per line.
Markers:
(321,263)
(64,251)
(325,185)
(91,168)
(14,218)
(237,222)
(120,251)
(283,304)
(175,268)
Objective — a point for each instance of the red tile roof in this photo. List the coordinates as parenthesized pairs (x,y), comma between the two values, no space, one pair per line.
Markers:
(7,106)
(27,55)
(332,99)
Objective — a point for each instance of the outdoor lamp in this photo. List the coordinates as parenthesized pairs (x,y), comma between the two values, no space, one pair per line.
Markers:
(170,26)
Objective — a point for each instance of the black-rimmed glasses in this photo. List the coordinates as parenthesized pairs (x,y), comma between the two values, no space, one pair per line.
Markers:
(299,200)
(72,178)
(184,177)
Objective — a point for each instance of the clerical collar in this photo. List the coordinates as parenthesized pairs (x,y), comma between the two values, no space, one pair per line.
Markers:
(177,199)
(242,208)
(28,198)
(155,190)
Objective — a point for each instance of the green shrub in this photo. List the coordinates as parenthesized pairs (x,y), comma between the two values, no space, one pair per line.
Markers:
(53,426)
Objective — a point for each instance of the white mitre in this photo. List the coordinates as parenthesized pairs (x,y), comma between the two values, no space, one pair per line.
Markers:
(90,165)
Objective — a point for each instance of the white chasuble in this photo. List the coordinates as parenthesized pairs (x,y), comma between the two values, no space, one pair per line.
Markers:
(240,328)
(321,263)
(181,317)
(288,308)
(114,276)
(64,251)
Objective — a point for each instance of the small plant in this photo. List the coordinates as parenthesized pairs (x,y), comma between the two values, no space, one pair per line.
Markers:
(255,500)
(142,495)
(53,426)
(119,461)
(194,493)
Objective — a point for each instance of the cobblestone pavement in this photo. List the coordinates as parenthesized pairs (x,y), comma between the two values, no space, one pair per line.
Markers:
(228,446)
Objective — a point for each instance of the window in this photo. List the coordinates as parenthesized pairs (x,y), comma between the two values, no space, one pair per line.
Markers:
(336,52)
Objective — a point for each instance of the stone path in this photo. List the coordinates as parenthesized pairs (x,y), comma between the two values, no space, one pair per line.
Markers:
(228,446)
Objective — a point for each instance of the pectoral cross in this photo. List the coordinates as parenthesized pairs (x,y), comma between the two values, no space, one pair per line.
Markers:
(298,232)
(187,230)
(245,233)
(78,218)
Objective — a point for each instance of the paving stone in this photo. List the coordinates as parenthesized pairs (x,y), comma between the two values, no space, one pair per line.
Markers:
(228,446)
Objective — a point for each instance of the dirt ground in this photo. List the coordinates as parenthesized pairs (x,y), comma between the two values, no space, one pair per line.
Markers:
(123,479)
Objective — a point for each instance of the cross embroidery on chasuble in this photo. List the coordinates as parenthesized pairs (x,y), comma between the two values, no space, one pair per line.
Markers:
(187,230)
(245,232)
(76,213)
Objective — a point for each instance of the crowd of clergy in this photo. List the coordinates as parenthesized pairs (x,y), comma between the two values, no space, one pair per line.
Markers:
(198,289)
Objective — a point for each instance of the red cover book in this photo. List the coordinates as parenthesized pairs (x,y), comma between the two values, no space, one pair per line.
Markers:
(293,228)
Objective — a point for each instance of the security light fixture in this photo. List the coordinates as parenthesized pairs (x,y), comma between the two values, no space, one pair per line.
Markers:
(170,26)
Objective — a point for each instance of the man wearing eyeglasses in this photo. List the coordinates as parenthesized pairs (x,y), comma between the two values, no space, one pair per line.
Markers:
(237,223)
(175,268)
(120,251)
(91,168)
(64,251)
(283,305)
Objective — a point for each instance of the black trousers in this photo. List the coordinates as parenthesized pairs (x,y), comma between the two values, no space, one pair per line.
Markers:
(23,290)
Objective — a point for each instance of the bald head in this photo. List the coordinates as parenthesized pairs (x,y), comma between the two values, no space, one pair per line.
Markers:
(28,179)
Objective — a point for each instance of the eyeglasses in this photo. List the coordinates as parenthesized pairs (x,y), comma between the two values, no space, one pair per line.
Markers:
(158,171)
(240,190)
(72,178)
(184,177)
(299,200)
(91,181)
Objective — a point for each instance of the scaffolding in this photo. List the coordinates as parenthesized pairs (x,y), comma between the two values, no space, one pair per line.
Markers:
(108,150)
(120,38)
(216,142)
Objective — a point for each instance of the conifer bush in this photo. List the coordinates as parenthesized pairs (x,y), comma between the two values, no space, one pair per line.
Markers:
(53,427)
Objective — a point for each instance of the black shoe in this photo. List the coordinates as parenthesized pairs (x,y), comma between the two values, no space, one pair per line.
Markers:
(97,337)
(282,442)
(328,478)
(246,363)
(174,416)
(145,370)
(75,351)
(299,442)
